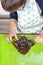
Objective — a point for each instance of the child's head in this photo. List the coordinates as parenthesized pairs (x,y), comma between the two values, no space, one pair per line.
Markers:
(12,5)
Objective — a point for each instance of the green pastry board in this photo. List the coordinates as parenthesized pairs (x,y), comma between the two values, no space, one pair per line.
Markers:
(10,56)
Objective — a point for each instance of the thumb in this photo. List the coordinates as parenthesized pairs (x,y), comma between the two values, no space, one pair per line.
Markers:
(16,37)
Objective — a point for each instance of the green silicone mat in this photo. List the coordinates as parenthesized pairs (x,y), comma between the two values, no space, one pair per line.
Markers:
(10,56)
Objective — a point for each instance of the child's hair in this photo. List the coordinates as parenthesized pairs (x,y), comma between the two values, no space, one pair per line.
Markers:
(12,5)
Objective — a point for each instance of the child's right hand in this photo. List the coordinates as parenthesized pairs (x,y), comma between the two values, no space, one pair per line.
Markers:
(9,37)
(12,33)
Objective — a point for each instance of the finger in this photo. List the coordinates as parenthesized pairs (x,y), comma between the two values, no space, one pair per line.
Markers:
(16,37)
(11,39)
(39,39)
(8,39)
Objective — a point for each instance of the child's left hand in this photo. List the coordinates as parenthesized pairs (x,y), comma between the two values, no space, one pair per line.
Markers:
(39,39)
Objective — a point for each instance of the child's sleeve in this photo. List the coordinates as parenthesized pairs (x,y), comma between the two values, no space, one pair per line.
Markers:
(14,15)
(40,3)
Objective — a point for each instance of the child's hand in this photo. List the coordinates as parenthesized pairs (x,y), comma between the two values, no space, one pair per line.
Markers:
(39,38)
(9,38)
(12,33)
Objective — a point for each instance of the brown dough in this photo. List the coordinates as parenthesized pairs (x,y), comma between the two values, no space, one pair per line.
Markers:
(23,44)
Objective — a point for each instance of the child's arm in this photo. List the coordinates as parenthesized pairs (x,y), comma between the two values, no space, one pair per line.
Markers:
(13,25)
